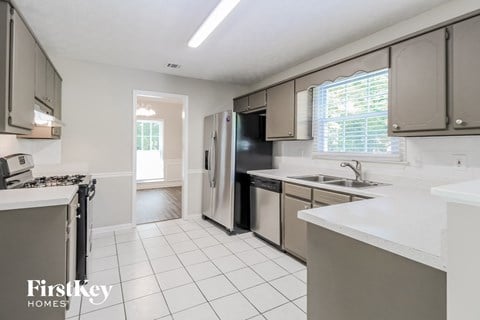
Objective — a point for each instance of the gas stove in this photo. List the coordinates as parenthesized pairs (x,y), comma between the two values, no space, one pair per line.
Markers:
(57,181)
(16,173)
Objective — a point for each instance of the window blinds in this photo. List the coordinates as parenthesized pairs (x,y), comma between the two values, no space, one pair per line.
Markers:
(351,117)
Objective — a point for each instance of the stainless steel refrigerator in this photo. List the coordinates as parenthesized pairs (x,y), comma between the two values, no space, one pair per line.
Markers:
(218,174)
(233,144)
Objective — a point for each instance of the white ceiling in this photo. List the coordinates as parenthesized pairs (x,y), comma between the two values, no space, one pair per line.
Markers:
(258,39)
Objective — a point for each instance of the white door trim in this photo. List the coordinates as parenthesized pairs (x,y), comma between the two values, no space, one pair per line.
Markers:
(184,99)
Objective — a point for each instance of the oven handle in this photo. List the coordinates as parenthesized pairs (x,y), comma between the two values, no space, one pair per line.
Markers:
(91,194)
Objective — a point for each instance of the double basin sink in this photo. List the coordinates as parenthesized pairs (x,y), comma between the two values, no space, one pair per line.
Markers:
(337,181)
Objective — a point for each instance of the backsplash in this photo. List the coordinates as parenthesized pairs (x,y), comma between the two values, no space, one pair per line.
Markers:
(45,152)
(430,160)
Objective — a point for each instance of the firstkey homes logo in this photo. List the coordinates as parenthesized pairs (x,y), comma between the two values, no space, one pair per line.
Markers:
(53,296)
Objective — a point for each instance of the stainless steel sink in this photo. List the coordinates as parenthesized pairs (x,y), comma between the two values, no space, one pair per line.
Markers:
(337,181)
(317,178)
(353,183)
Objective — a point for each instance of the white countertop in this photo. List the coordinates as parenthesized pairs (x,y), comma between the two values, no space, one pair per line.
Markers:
(404,220)
(36,197)
(464,192)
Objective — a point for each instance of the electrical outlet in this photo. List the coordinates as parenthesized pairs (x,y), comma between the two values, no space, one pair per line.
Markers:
(460,161)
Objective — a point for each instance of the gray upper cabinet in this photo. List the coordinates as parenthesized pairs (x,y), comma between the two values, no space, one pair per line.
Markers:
(418,84)
(57,98)
(257,100)
(44,79)
(280,121)
(466,74)
(240,104)
(22,74)
(17,73)
(252,102)
(40,74)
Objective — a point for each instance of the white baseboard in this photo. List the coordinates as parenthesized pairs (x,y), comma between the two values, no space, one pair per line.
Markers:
(158,184)
(192,216)
(113,228)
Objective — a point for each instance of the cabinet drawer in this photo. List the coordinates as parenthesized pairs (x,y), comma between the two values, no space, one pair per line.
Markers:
(298,191)
(328,197)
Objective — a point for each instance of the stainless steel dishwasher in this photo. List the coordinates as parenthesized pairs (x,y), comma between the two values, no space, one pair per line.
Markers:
(265,197)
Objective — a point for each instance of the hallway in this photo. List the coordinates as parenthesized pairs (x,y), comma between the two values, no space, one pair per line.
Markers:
(158,204)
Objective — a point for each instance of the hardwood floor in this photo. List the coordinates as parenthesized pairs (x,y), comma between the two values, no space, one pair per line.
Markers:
(159,204)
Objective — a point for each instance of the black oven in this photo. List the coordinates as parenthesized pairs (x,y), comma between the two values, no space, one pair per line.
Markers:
(86,192)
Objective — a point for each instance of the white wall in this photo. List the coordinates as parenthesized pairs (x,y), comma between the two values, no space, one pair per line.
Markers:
(45,152)
(98,112)
(97,107)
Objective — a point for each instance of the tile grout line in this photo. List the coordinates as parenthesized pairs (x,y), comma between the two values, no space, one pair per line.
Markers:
(120,277)
(154,274)
(194,281)
(169,244)
(246,265)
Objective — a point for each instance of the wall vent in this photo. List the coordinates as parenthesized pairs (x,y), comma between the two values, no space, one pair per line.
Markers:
(173,65)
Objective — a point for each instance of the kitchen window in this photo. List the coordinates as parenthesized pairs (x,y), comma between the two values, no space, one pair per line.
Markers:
(150,164)
(351,118)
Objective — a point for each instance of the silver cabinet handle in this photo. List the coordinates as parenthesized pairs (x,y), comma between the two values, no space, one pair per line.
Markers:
(307,207)
(459,121)
(290,133)
(79,216)
(395,126)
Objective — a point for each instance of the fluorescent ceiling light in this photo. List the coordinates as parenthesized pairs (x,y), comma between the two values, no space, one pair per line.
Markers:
(214,19)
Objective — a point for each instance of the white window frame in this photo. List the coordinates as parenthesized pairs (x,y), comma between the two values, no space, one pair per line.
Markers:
(398,157)
(160,136)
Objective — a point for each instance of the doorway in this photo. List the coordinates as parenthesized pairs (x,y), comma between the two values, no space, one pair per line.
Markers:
(159,153)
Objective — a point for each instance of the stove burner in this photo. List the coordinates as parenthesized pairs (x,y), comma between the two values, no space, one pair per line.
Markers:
(55,181)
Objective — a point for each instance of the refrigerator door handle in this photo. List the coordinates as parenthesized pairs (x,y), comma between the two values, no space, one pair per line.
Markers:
(213,162)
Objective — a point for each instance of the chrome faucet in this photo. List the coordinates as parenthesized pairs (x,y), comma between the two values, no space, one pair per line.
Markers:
(357,169)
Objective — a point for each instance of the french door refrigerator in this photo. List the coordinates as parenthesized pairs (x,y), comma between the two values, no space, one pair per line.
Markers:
(233,144)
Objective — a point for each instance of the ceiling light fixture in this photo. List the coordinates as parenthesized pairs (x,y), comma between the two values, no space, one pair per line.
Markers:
(214,19)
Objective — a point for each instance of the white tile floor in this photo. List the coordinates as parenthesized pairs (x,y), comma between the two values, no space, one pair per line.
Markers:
(192,270)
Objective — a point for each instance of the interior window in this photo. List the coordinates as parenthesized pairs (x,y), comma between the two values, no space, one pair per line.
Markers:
(351,117)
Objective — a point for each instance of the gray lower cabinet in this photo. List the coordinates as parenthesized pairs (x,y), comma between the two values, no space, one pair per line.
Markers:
(349,279)
(280,120)
(418,84)
(297,198)
(466,74)
(39,244)
(295,238)
(17,67)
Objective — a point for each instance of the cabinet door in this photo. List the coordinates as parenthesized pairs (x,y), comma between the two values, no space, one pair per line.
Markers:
(418,97)
(57,101)
(257,100)
(466,74)
(22,74)
(281,111)
(40,74)
(50,85)
(295,229)
(240,104)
